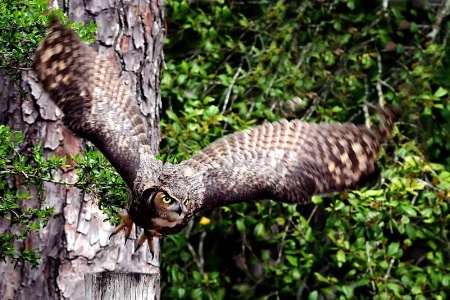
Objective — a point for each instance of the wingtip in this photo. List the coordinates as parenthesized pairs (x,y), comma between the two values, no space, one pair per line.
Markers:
(388,115)
(53,18)
(392,112)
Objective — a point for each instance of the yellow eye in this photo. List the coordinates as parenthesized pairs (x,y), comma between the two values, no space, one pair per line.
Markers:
(186,202)
(165,199)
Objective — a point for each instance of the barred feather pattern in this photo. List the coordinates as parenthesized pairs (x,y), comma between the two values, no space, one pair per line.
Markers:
(97,105)
(288,161)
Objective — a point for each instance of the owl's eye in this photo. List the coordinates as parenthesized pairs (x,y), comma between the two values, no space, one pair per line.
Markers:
(166,199)
(186,202)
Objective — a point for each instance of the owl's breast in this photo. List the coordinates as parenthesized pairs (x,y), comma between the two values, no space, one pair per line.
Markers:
(161,222)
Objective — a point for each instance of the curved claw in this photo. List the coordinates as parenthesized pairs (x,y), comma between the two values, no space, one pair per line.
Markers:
(148,236)
(127,223)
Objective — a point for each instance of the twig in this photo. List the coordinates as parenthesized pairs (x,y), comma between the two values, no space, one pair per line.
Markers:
(15,68)
(200,248)
(245,245)
(384,7)
(312,213)
(369,261)
(378,84)
(187,233)
(286,229)
(388,272)
(317,101)
(301,288)
(441,14)
(427,184)
(366,115)
(230,87)
(28,176)
(407,124)
(195,257)
(387,85)
(404,67)
(365,106)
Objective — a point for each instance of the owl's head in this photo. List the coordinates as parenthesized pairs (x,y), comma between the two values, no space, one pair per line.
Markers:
(156,208)
(170,211)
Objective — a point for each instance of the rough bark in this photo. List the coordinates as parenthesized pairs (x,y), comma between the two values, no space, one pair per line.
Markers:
(117,286)
(76,241)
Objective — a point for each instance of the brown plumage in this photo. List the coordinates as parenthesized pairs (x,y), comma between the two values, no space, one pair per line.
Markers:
(284,161)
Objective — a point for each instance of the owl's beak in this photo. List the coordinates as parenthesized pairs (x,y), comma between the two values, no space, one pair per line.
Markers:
(180,209)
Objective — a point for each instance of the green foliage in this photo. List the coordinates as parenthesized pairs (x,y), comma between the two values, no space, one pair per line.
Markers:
(97,177)
(321,60)
(22,26)
(18,172)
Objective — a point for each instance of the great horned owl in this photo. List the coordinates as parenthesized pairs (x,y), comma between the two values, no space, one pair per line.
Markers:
(287,161)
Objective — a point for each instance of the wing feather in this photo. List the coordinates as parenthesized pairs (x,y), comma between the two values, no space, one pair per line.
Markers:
(97,105)
(287,161)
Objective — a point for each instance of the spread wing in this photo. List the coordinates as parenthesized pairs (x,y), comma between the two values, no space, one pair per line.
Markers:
(287,161)
(96,103)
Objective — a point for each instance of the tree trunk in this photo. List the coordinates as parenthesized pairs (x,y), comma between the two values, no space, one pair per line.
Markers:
(121,286)
(75,241)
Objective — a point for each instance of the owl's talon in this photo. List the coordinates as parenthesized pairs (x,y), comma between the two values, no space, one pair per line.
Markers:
(127,223)
(148,236)
(145,236)
(151,246)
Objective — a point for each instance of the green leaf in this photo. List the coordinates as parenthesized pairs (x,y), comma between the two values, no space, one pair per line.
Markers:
(409,210)
(351,4)
(240,225)
(395,288)
(259,229)
(440,92)
(320,277)
(348,291)
(172,116)
(292,260)
(316,200)
(393,249)
(340,256)
(314,295)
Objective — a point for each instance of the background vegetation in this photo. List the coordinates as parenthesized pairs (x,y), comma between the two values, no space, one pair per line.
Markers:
(245,62)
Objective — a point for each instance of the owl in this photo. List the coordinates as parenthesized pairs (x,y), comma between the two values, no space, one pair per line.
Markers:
(287,161)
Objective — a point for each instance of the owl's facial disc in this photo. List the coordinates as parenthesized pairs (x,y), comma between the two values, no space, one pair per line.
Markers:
(170,211)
